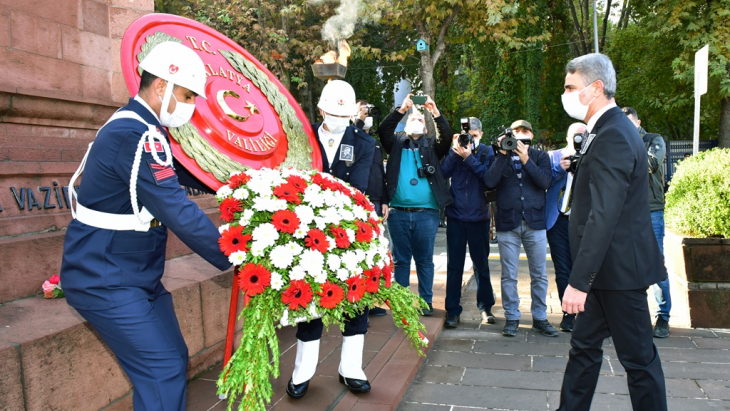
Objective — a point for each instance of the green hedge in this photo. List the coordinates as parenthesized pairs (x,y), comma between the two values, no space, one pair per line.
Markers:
(698,200)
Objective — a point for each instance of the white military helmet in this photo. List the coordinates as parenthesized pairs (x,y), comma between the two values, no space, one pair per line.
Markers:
(178,65)
(338,98)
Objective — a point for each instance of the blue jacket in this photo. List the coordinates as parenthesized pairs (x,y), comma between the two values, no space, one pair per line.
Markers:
(467,184)
(104,269)
(518,199)
(560,177)
(356,172)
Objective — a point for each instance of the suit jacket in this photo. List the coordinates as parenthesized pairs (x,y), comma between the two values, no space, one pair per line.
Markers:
(104,269)
(356,172)
(611,236)
(560,178)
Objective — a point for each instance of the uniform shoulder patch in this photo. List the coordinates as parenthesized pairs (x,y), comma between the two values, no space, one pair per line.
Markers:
(161,174)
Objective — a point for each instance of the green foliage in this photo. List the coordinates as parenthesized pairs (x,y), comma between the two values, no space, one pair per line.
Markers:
(698,200)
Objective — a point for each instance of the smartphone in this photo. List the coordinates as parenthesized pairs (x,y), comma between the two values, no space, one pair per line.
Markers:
(420,100)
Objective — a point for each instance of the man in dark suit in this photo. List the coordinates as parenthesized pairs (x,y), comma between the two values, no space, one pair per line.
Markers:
(615,255)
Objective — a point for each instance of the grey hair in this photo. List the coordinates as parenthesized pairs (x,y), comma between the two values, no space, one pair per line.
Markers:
(573,127)
(593,67)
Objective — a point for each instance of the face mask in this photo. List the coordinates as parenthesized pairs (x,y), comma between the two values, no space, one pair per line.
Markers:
(573,106)
(182,114)
(368,122)
(336,125)
(414,128)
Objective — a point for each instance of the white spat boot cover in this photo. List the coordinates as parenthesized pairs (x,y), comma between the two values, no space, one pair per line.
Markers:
(306,362)
(351,359)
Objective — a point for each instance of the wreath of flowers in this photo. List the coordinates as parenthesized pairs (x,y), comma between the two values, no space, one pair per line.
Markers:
(306,245)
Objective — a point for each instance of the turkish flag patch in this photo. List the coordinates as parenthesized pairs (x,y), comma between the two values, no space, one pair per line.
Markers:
(148,148)
(161,174)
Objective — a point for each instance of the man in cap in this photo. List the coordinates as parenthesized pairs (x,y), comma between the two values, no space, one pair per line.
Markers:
(468,223)
(521,177)
(114,249)
(348,155)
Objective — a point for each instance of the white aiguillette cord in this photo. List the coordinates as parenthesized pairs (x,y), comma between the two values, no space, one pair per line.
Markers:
(149,136)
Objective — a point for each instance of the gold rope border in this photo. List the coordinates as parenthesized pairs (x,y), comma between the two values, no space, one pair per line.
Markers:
(220,165)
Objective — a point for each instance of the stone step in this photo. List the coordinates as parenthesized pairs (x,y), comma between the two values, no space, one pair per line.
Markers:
(50,356)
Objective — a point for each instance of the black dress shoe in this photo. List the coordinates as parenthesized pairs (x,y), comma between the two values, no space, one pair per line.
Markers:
(298,391)
(451,321)
(567,323)
(429,311)
(377,311)
(355,386)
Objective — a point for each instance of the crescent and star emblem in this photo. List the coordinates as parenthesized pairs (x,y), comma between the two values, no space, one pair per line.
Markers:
(221,97)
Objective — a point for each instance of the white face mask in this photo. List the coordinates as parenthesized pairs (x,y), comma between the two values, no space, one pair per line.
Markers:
(573,106)
(368,122)
(414,128)
(336,125)
(182,114)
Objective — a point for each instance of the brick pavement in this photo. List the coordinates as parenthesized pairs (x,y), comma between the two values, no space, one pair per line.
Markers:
(475,367)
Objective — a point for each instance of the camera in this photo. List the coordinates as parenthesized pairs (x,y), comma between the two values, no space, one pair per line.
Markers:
(577,145)
(373,111)
(509,142)
(465,139)
(426,171)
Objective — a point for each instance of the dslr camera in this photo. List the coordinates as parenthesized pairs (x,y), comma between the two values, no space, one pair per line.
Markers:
(465,139)
(509,142)
(373,111)
(577,145)
(425,171)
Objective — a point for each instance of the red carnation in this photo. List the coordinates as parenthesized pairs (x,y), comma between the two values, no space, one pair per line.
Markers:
(341,238)
(330,295)
(285,221)
(238,180)
(373,284)
(228,208)
(373,222)
(363,201)
(298,295)
(387,273)
(297,182)
(364,232)
(233,240)
(254,279)
(317,240)
(357,288)
(55,279)
(288,192)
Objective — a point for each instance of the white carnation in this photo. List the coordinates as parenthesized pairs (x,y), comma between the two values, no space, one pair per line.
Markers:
(349,260)
(257,248)
(277,281)
(320,222)
(346,214)
(297,273)
(223,192)
(370,256)
(266,234)
(350,234)
(222,229)
(360,212)
(312,195)
(240,194)
(301,232)
(330,215)
(343,274)
(357,271)
(281,257)
(360,255)
(246,216)
(294,248)
(237,258)
(333,262)
(374,215)
(312,261)
(305,214)
(320,278)
(261,186)
(268,203)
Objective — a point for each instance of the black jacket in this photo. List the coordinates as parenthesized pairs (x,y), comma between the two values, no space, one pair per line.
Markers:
(376,183)
(356,172)
(431,149)
(611,237)
(520,198)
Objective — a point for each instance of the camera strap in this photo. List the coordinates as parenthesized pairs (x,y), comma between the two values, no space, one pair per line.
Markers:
(413,147)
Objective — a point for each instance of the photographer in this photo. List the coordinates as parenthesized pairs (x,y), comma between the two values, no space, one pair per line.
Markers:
(416,189)
(468,223)
(521,177)
(558,215)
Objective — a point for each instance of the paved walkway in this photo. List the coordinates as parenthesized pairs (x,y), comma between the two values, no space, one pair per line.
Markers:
(475,367)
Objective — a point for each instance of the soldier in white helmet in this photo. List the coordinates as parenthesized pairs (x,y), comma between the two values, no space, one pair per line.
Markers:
(348,154)
(114,250)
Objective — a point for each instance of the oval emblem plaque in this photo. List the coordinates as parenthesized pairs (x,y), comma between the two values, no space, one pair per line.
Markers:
(249,120)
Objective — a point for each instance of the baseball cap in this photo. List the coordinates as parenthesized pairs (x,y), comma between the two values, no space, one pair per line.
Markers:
(521,123)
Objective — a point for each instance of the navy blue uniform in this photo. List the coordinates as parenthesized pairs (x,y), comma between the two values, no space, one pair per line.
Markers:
(357,173)
(112,278)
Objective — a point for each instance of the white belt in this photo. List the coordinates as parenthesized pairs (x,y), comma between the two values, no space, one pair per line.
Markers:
(141,219)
